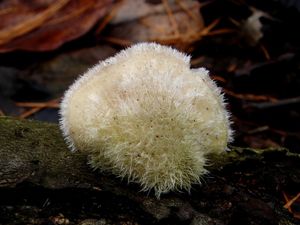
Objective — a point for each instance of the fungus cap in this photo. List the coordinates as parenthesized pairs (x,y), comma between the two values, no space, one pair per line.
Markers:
(146,116)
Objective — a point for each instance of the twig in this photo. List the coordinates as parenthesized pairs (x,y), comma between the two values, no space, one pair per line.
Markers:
(235,22)
(258,130)
(231,68)
(171,18)
(218,78)
(265,51)
(250,97)
(207,29)
(38,104)
(30,112)
(189,36)
(277,103)
(37,107)
(291,202)
(220,31)
(280,132)
(187,11)
(197,61)
(286,201)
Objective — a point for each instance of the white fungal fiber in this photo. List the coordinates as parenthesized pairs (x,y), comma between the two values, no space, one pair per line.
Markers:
(146,116)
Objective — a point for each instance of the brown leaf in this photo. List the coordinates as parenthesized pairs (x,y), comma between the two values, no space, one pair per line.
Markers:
(42,25)
(177,23)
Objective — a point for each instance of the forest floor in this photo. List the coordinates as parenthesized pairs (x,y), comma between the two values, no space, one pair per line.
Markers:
(252,51)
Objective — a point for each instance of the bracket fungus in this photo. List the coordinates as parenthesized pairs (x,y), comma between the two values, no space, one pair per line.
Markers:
(145,115)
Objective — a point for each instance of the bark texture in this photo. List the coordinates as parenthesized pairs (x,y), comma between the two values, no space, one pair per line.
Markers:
(35,153)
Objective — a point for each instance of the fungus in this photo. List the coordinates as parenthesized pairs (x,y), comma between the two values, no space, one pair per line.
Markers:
(145,115)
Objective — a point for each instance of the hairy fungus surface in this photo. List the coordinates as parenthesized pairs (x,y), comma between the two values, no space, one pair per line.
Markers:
(146,116)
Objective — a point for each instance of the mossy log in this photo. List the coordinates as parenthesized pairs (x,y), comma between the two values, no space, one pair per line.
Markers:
(35,153)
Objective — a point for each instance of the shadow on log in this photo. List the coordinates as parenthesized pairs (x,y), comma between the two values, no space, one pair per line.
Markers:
(244,187)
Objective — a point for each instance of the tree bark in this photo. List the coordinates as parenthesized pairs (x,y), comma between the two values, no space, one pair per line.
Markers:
(35,152)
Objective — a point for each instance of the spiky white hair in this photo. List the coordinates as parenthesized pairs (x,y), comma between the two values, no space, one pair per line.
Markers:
(145,115)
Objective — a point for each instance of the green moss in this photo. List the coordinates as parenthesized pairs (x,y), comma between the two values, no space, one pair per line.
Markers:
(36,151)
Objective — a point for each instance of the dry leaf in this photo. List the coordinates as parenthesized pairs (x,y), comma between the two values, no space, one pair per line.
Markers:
(176,23)
(41,25)
(252,27)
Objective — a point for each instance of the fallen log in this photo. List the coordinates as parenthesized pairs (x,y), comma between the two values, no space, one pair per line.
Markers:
(244,184)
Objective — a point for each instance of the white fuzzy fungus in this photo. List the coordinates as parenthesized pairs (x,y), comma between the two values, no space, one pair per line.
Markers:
(145,115)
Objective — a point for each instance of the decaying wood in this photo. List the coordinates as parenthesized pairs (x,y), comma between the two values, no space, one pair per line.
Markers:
(35,152)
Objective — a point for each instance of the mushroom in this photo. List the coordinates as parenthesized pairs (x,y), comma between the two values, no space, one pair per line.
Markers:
(145,115)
